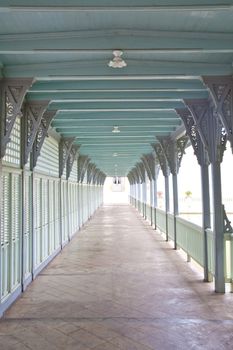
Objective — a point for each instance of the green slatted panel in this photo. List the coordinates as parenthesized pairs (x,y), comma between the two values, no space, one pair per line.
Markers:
(84,202)
(5,234)
(48,161)
(70,204)
(16,230)
(38,223)
(76,206)
(64,202)
(57,213)
(12,155)
(74,172)
(28,227)
(45,219)
(79,214)
(51,216)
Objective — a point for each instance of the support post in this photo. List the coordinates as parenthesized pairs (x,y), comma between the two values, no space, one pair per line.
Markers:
(151,202)
(203,160)
(167,202)
(162,160)
(1,226)
(218,228)
(214,139)
(174,151)
(205,217)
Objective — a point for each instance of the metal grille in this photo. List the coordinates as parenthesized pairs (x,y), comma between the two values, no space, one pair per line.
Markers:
(12,155)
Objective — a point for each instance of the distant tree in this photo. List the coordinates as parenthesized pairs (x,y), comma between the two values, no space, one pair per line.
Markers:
(188,194)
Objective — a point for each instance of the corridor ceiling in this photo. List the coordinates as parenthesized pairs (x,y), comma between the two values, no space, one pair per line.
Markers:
(65,46)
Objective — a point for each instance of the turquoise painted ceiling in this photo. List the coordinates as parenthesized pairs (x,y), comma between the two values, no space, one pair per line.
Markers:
(65,46)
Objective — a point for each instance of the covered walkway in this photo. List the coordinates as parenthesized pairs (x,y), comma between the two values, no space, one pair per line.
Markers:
(118,285)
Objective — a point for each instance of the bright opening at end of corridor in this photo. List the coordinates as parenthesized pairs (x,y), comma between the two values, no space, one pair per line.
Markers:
(116,190)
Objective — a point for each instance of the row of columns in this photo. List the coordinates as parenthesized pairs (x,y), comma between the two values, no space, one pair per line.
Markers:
(208,124)
(35,122)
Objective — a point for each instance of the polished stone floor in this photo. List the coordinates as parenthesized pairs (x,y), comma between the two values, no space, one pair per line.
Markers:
(118,285)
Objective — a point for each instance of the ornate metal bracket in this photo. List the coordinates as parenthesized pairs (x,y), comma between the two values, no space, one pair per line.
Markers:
(42,132)
(153,165)
(221,90)
(65,146)
(70,160)
(181,144)
(133,176)
(102,179)
(12,93)
(90,172)
(136,175)
(210,129)
(174,151)
(130,178)
(226,222)
(161,159)
(95,176)
(31,119)
(192,132)
(83,162)
(147,167)
(170,150)
(141,172)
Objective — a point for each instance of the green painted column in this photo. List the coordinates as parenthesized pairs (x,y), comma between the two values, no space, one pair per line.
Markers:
(1,204)
(218,228)
(167,202)
(205,216)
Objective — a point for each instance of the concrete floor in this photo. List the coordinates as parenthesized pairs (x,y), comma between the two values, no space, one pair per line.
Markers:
(118,285)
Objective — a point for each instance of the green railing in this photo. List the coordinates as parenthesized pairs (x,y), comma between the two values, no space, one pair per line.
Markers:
(190,240)
(161,220)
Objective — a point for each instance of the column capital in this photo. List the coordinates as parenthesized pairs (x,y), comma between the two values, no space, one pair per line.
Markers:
(90,172)
(12,94)
(83,162)
(211,131)
(161,159)
(41,133)
(221,91)
(73,154)
(192,131)
(31,119)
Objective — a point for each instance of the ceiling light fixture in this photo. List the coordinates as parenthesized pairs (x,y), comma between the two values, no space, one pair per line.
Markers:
(115,154)
(116,129)
(117,61)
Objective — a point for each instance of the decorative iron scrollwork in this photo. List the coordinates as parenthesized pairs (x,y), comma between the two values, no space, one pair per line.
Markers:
(226,222)
(71,159)
(95,175)
(90,172)
(64,151)
(192,131)
(12,93)
(169,147)
(141,172)
(32,115)
(83,162)
(161,158)
(42,132)
(221,90)
(210,129)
